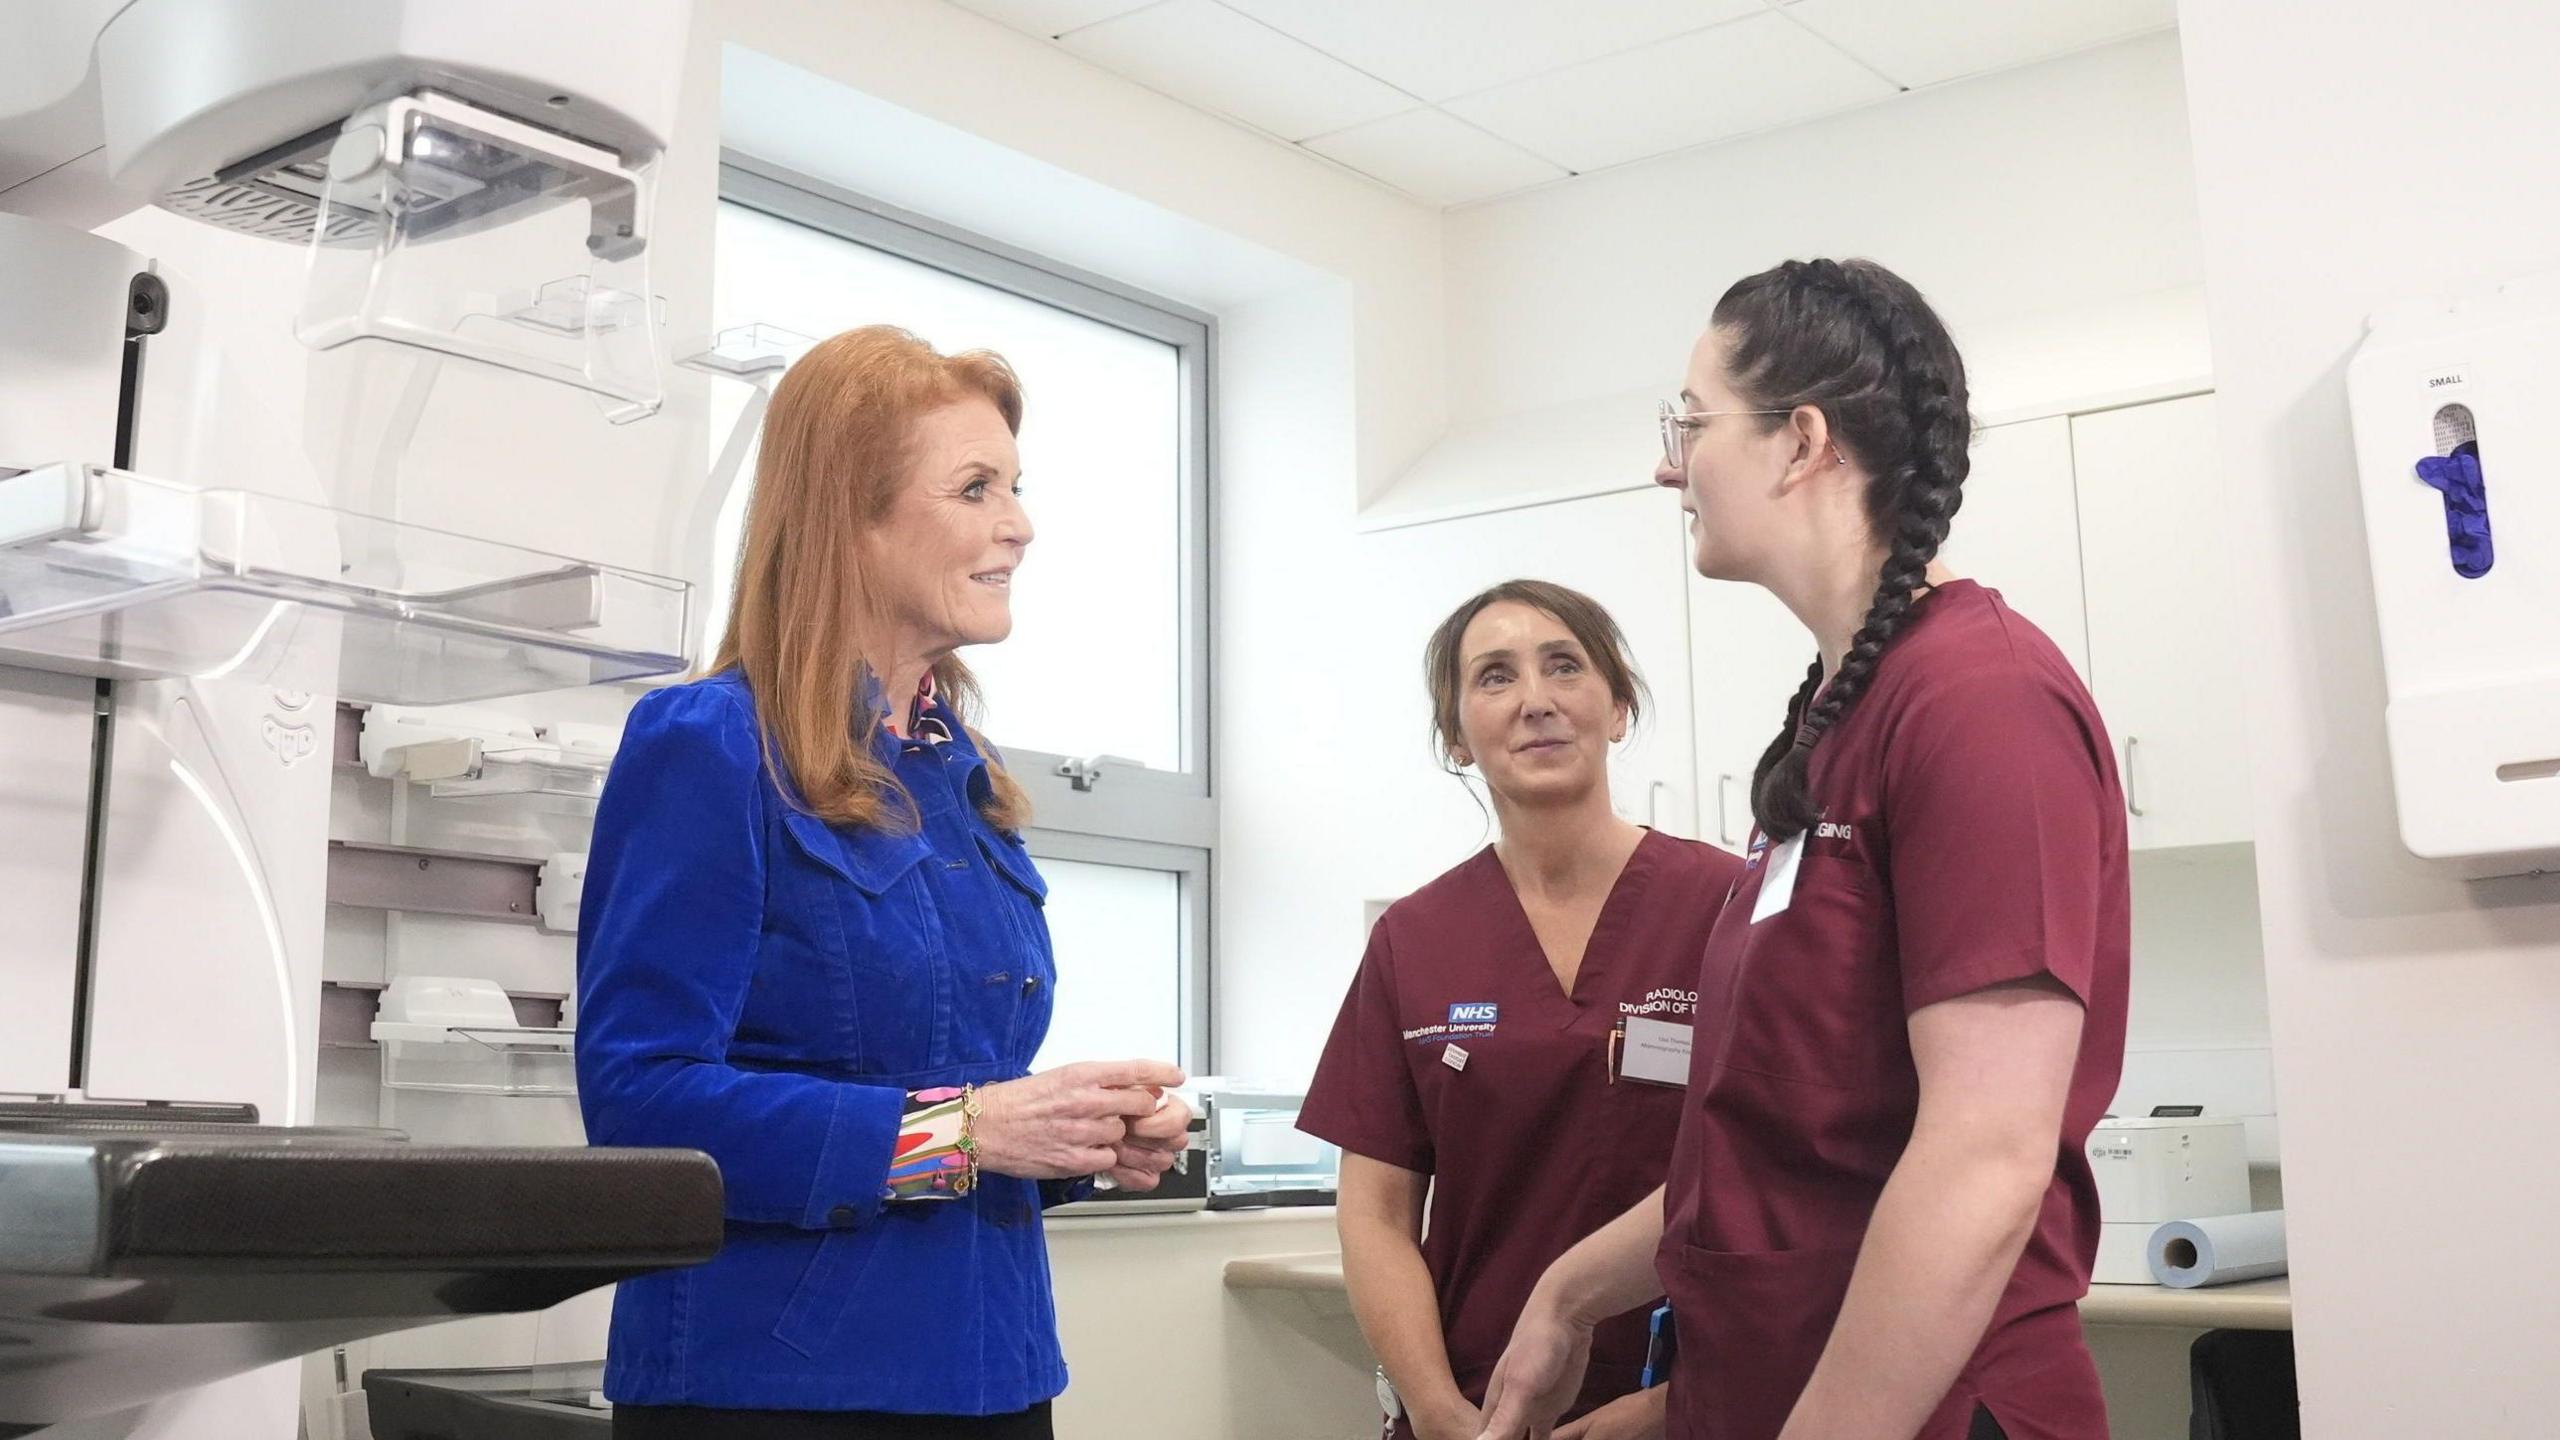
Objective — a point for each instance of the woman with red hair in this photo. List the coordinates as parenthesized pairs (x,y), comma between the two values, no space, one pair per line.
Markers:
(814,947)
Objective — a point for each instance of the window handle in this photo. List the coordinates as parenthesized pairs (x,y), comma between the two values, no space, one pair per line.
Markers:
(1087,773)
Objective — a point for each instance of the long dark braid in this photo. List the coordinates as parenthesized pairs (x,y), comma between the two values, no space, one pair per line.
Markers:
(1782,742)
(1859,342)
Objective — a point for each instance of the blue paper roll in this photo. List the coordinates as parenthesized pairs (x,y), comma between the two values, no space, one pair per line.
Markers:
(2218,1250)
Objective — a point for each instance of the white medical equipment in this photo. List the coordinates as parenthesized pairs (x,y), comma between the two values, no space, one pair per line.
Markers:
(470,180)
(2154,1169)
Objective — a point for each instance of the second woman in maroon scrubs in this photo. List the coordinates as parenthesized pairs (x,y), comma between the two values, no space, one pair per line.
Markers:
(1880,1214)
(1515,1041)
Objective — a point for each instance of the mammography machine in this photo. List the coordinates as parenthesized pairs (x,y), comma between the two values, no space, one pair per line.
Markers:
(470,180)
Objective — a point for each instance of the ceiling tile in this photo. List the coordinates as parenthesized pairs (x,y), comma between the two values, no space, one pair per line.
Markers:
(1753,74)
(1442,48)
(1436,158)
(1205,54)
(1048,18)
(1922,42)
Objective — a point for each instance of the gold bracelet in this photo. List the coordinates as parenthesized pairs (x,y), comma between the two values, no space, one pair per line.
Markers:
(970,1110)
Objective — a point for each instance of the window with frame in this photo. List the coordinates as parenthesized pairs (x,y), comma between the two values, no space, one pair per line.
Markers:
(1099,699)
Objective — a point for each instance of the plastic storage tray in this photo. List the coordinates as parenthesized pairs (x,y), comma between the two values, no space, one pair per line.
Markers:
(112,574)
(458,1033)
(473,1060)
(532,770)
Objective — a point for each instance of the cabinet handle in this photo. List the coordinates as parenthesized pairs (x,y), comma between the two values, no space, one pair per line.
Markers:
(2132,777)
(1652,803)
(1724,827)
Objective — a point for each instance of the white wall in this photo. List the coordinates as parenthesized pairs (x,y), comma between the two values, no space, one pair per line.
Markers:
(2416,1018)
(2047,212)
(2042,190)
(2196,1023)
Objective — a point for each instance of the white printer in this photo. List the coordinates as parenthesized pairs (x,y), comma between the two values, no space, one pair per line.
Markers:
(2157,1168)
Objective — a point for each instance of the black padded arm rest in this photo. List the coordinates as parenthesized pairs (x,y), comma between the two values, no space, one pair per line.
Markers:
(408,1205)
(308,1199)
(135,1265)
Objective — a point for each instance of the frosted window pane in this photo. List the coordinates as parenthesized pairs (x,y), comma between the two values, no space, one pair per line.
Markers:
(1094,665)
(1118,935)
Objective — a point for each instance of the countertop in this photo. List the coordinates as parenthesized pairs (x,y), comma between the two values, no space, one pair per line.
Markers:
(2250,1305)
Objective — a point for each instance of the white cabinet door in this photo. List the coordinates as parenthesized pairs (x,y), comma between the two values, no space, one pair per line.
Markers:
(2162,633)
(1747,656)
(2015,532)
(1625,550)
(2018,531)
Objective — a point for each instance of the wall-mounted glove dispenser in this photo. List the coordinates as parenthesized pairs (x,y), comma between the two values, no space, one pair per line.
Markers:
(2459,449)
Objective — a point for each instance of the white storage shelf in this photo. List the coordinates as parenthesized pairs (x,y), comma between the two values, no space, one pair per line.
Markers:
(117,575)
(478,1060)
(472,754)
(538,771)
(747,351)
(458,1035)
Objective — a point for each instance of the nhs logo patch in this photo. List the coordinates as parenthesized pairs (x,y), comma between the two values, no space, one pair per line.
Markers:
(1474,1012)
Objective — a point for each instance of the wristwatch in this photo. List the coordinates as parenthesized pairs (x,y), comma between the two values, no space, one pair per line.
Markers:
(1387,1400)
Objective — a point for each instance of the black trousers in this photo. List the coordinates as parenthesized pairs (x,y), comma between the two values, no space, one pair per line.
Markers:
(687,1422)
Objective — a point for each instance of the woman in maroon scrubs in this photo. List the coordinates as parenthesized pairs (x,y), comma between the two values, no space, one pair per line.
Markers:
(1515,1041)
(1880,1217)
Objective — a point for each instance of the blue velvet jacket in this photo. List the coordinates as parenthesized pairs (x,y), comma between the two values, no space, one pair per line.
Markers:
(765,987)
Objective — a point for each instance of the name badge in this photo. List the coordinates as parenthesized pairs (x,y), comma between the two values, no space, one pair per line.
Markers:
(1778,887)
(1657,1051)
(1454,1057)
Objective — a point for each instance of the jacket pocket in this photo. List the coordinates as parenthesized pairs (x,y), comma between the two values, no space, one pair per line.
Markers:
(861,898)
(872,861)
(1012,860)
(817,1304)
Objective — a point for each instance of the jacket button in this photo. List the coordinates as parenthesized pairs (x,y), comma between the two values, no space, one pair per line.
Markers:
(843,1216)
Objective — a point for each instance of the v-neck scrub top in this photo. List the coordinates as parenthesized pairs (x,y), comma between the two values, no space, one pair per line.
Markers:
(1972,833)
(1458,1055)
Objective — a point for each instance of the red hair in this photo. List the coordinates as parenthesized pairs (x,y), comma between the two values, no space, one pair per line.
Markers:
(836,445)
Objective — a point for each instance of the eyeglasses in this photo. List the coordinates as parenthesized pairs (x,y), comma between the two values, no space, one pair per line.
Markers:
(1677,423)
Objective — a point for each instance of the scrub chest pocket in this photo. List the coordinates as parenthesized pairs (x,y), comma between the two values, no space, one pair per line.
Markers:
(1814,994)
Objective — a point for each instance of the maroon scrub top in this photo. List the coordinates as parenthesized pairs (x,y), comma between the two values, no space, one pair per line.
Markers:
(1533,1144)
(1972,832)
